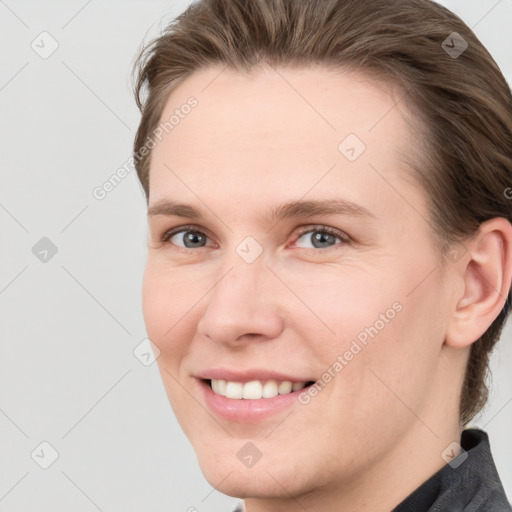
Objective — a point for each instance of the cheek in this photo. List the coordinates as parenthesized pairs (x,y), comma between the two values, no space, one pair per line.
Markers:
(154,305)
(341,304)
(393,373)
(373,335)
(167,303)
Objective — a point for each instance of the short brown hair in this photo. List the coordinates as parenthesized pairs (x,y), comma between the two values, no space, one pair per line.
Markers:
(463,101)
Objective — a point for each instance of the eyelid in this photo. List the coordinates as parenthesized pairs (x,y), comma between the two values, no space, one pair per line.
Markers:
(178,229)
(321,227)
(302,230)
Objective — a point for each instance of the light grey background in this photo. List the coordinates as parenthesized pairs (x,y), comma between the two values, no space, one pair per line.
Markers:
(69,325)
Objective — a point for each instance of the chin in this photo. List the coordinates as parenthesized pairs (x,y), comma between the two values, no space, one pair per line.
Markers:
(251,483)
(274,477)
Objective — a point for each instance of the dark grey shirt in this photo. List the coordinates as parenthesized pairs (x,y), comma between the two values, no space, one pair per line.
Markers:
(469,483)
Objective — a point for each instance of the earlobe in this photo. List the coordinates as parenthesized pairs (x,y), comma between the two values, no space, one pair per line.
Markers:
(486,272)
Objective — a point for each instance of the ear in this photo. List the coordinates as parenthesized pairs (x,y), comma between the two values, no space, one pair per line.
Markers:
(486,272)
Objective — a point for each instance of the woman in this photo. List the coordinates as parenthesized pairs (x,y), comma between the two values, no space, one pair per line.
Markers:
(330,250)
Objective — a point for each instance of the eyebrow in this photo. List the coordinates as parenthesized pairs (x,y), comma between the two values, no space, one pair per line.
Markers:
(298,208)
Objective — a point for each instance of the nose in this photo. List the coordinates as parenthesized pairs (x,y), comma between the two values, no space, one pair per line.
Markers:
(243,305)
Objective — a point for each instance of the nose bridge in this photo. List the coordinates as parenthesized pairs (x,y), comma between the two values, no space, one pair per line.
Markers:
(241,285)
(243,271)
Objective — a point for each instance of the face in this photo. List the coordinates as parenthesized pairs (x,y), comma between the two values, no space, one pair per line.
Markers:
(288,247)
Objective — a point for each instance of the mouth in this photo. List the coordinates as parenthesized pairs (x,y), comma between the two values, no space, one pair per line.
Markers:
(250,396)
(255,389)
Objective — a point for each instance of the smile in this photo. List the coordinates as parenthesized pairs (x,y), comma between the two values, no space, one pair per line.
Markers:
(255,389)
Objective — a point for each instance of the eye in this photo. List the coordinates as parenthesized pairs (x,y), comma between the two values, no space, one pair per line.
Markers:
(185,237)
(319,237)
(311,237)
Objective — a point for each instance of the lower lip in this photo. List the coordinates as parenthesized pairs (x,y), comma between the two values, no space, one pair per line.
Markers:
(245,410)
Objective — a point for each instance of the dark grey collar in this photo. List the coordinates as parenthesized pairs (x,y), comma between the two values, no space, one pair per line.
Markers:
(472,486)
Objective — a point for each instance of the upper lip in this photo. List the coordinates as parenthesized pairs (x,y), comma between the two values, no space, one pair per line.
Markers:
(248,375)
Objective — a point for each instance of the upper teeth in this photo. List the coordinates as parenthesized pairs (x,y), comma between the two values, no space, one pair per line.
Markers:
(255,389)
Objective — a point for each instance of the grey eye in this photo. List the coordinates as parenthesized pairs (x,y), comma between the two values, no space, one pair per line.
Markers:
(318,239)
(189,239)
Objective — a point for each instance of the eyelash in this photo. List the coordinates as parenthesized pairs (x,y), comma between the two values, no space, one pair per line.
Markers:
(322,229)
(345,239)
(169,234)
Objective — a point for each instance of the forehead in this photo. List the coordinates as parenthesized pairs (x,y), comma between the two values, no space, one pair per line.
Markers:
(279,125)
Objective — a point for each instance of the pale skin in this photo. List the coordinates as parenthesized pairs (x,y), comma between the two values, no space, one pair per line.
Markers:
(379,428)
